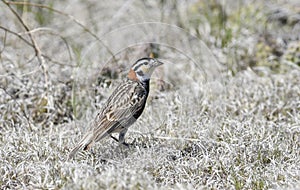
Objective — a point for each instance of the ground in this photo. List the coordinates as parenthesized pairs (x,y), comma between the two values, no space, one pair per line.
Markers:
(223,111)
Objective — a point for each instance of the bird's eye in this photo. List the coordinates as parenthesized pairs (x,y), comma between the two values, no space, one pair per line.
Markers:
(140,73)
(146,63)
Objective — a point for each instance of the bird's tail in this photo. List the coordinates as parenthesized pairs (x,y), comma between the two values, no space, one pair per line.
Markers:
(85,143)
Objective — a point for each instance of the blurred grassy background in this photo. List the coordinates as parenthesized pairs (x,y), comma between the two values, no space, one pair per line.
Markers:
(223,111)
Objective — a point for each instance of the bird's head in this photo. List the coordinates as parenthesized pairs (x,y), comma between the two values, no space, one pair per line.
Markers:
(143,68)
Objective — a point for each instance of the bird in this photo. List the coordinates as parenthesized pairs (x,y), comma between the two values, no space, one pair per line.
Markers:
(123,107)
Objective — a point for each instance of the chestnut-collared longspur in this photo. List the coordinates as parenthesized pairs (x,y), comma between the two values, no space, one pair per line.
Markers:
(123,107)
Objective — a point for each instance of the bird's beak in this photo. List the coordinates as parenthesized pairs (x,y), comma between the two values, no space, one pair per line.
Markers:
(158,63)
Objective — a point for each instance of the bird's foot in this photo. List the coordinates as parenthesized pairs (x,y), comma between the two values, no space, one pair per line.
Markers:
(128,145)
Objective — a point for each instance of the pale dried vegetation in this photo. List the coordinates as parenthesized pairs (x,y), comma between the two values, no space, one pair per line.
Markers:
(223,112)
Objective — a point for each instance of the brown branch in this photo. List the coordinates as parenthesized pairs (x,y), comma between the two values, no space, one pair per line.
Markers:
(4,42)
(70,17)
(16,34)
(52,32)
(37,50)
(23,24)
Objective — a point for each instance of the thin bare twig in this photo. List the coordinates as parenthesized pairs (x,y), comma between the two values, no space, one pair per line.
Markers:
(177,138)
(34,45)
(70,17)
(52,32)
(4,42)
(16,34)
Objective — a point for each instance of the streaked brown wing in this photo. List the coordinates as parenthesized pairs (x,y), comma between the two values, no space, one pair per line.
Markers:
(118,112)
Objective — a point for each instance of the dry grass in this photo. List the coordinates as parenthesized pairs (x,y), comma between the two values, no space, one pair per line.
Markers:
(223,112)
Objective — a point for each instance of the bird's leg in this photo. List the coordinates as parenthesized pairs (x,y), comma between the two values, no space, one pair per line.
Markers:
(114,138)
(122,137)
